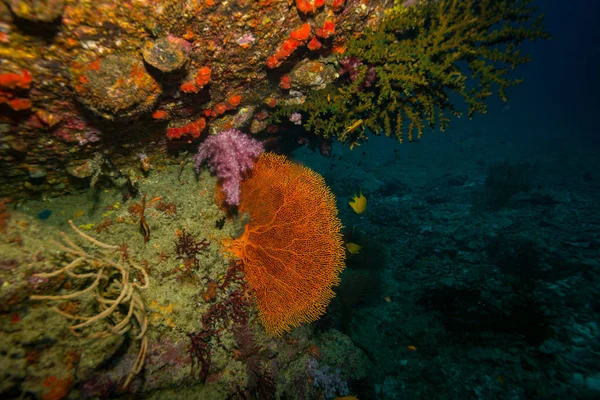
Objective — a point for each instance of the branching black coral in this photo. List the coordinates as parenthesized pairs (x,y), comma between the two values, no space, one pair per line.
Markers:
(261,384)
(188,247)
(421,54)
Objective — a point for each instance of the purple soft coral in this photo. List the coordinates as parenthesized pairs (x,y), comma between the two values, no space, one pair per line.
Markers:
(328,382)
(230,155)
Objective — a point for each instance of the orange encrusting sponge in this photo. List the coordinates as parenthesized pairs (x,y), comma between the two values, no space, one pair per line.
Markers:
(292,247)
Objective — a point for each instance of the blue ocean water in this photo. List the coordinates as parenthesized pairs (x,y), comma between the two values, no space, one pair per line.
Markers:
(479,269)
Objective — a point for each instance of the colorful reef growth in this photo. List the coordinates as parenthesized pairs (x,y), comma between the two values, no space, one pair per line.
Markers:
(230,155)
(292,247)
(15,82)
(421,54)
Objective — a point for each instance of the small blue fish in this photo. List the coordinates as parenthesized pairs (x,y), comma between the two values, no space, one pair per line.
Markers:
(44,214)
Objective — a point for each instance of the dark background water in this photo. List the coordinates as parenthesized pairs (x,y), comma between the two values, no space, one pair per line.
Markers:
(493,300)
(559,98)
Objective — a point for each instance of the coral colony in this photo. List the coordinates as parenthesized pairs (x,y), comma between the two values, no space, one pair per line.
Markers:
(230,155)
(277,194)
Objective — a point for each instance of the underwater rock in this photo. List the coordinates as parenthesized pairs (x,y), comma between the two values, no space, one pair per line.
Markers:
(259,123)
(100,353)
(92,57)
(237,121)
(38,10)
(13,358)
(167,54)
(311,74)
(81,169)
(37,173)
(338,350)
(115,86)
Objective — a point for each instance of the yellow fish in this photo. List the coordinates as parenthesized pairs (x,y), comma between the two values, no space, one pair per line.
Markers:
(358,203)
(353,248)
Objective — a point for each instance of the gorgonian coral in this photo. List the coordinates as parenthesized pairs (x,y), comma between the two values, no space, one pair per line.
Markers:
(291,249)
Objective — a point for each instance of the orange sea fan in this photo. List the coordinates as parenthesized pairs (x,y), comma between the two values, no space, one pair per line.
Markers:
(292,246)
